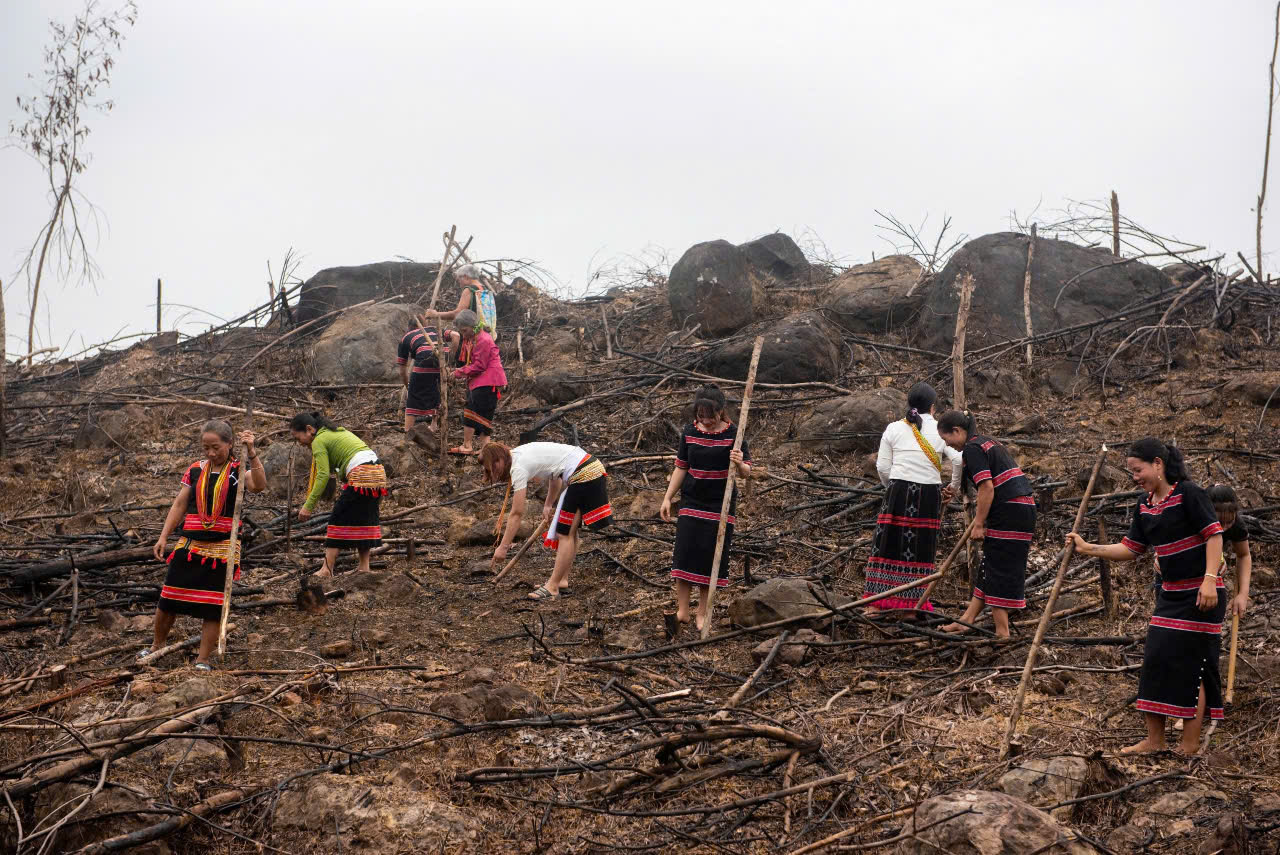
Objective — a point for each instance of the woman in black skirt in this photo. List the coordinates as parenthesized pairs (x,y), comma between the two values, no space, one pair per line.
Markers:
(701,472)
(1180,663)
(911,464)
(201,513)
(1005,520)
(419,365)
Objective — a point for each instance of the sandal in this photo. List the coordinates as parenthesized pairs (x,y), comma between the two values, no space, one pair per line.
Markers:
(462,452)
(203,666)
(541,593)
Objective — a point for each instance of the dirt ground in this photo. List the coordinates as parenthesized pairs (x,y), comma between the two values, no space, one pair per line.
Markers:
(389,723)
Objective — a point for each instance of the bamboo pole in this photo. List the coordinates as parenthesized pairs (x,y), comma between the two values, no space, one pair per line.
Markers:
(729,483)
(955,550)
(1231,666)
(288,517)
(608,340)
(1115,224)
(233,542)
(957,343)
(1069,551)
(1026,294)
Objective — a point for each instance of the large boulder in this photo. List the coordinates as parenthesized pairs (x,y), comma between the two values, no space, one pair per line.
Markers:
(275,463)
(1046,781)
(714,284)
(1103,285)
(339,287)
(777,255)
(776,599)
(114,429)
(853,422)
(877,297)
(360,346)
(978,822)
(797,349)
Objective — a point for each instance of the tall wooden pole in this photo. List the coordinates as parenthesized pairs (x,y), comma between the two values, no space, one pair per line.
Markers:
(729,482)
(158,306)
(1026,294)
(957,343)
(444,266)
(1030,665)
(288,517)
(1231,666)
(1266,152)
(233,542)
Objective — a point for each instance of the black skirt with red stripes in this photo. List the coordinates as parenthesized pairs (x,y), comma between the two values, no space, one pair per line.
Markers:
(424,393)
(1181,653)
(905,543)
(482,403)
(354,522)
(695,551)
(193,585)
(1002,579)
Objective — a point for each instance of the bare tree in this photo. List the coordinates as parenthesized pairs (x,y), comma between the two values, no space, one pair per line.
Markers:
(1266,151)
(78,63)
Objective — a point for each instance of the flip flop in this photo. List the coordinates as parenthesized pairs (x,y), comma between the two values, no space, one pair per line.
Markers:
(203,666)
(541,593)
(461,452)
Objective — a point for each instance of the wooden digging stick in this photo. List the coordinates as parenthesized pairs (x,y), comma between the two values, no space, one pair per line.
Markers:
(537,532)
(233,542)
(728,484)
(1231,666)
(955,551)
(1067,553)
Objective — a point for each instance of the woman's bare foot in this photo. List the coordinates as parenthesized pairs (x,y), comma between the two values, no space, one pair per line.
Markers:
(324,573)
(1146,746)
(955,627)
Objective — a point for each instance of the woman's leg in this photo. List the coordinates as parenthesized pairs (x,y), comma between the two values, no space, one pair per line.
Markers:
(970,615)
(468,438)
(408,422)
(1001,617)
(1192,727)
(208,639)
(161,628)
(565,553)
(330,562)
(683,592)
(704,602)
(364,559)
(1155,737)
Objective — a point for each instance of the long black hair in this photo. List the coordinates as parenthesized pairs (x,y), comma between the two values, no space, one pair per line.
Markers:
(313,419)
(920,400)
(1149,448)
(709,401)
(953,419)
(1224,498)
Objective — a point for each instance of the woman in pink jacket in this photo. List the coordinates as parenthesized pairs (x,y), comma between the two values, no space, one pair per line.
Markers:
(482,366)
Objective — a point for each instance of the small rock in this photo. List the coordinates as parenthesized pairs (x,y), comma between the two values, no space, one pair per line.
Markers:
(979,821)
(371,580)
(1032,424)
(112,621)
(141,623)
(337,649)
(778,598)
(1127,840)
(407,775)
(868,686)
(1267,803)
(377,636)
(480,674)
(1230,836)
(399,589)
(145,688)
(462,707)
(1047,781)
(793,652)
(319,734)
(624,640)
(290,699)
(255,639)
(504,703)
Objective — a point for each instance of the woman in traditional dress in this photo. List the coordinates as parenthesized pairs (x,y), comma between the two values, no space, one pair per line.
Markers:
(1005,520)
(419,366)
(1180,661)
(1227,507)
(481,365)
(702,469)
(577,495)
(910,464)
(476,296)
(354,522)
(202,514)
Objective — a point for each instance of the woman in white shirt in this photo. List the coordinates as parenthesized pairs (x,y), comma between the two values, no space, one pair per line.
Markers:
(910,463)
(583,501)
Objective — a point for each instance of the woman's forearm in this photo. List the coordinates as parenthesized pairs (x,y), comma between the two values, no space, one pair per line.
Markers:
(1244,572)
(1107,551)
(986,494)
(674,482)
(513,527)
(1213,555)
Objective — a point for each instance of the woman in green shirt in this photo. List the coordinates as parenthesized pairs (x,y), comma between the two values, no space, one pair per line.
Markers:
(354,521)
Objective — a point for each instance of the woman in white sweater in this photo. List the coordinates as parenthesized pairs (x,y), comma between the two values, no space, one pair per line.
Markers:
(911,462)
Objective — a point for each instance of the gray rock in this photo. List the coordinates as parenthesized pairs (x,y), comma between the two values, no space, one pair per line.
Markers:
(778,256)
(998,263)
(1046,781)
(624,641)
(464,707)
(1252,390)
(797,349)
(997,384)
(853,422)
(988,823)
(714,284)
(776,599)
(275,463)
(877,297)
(555,388)
(794,651)
(507,702)
(1062,378)
(338,287)
(1128,840)
(112,621)
(110,429)
(360,345)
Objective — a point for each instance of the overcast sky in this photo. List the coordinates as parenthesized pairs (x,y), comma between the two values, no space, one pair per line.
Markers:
(576,132)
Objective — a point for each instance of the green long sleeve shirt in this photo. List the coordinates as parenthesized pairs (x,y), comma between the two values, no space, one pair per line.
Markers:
(331,450)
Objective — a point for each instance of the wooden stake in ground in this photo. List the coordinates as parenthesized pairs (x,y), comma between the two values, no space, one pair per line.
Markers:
(957,343)
(955,550)
(444,266)
(1115,224)
(1231,666)
(608,341)
(728,484)
(1026,294)
(233,542)
(1069,551)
